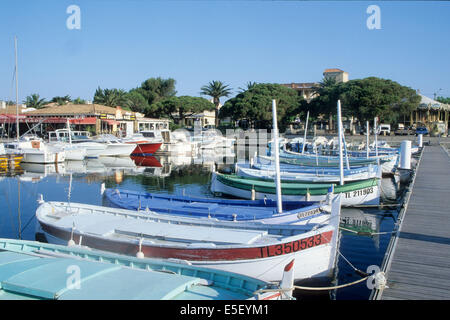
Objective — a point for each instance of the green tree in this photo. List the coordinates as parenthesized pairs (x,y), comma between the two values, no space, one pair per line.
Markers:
(61,100)
(156,89)
(327,94)
(248,86)
(375,97)
(255,105)
(445,100)
(34,101)
(135,101)
(110,97)
(216,90)
(79,101)
(178,108)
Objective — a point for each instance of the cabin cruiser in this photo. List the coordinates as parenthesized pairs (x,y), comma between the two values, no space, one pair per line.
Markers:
(114,146)
(35,150)
(146,142)
(62,139)
(82,139)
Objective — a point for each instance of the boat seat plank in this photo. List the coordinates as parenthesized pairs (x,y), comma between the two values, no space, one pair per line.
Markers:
(105,224)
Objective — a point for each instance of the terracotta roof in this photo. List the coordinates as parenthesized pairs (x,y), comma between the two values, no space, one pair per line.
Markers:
(11,109)
(333,70)
(73,109)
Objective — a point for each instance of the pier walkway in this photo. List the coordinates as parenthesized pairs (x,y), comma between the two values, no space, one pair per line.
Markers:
(417,262)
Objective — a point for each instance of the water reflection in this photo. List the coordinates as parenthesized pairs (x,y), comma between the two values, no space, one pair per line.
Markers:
(79,181)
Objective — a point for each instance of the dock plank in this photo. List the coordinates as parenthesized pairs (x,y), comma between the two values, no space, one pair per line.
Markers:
(419,265)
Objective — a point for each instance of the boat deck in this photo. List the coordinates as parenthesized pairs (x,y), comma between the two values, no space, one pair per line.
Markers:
(418,266)
(125,224)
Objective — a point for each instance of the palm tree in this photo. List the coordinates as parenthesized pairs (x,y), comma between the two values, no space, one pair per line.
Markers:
(249,85)
(216,89)
(109,97)
(33,101)
(61,100)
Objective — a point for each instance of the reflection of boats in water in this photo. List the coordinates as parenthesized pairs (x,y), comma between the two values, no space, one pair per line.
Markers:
(34,172)
(146,161)
(362,222)
(390,188)
(149,165)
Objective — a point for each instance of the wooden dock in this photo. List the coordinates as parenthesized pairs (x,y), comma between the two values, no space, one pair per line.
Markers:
(417,261)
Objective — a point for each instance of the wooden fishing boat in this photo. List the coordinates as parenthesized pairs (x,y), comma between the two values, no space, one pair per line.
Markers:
(388,161)
(353,193)
(294,212)
(34,270)
(253,249)
(248,171)
(268,163)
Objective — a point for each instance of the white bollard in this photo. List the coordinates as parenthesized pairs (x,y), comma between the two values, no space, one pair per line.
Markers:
(420,140)
(405,155)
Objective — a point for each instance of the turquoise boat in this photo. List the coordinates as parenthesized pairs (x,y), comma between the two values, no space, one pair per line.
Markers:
(31,270)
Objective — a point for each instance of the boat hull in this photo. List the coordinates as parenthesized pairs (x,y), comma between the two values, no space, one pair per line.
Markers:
(367,195)
(117,150)
(314,249)
(145,148)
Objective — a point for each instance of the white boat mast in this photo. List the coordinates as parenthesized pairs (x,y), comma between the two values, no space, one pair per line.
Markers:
(367,139)
(17,89)
(306,129)
(341,163)
(277,157)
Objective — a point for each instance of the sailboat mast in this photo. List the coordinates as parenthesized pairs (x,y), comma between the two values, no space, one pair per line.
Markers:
(306,130)
(277,157)
(17,89)
(341,162)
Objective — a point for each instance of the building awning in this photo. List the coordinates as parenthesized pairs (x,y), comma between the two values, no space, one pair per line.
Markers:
(111,122)
(89,120)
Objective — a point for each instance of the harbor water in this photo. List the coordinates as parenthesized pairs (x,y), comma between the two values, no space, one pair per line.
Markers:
(365,232)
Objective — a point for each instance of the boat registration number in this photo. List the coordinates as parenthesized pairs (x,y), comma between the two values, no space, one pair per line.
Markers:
(359,193)
(294,246)
(312,212)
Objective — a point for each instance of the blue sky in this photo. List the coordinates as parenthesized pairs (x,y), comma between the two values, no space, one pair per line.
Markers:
(122,43)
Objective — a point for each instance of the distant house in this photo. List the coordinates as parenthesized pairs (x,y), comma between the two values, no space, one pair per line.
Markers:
(430,113)
(307,89)
(337,74)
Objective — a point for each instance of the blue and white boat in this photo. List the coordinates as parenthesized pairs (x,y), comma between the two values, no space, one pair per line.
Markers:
(255,249)
(320,175)
(294,212)
(31,270)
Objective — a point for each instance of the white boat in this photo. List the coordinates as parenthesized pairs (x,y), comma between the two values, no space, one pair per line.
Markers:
(147,142)
(82,139)
(114,147)
(212,140)
(62,139)
(253,249)
(35,150)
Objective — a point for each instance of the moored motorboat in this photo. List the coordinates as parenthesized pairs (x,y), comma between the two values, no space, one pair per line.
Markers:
(42,271)
(254,249)
(35,150)
(114,146)
(146,143)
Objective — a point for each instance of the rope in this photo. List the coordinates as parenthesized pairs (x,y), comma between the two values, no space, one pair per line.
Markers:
(366,233)
(314,288)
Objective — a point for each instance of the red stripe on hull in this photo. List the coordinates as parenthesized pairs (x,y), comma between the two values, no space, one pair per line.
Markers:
(213,254)
(146,147)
